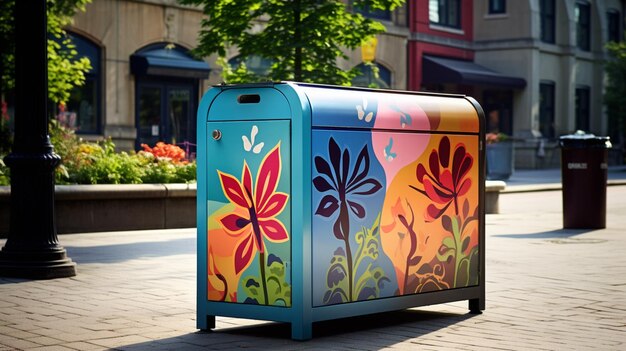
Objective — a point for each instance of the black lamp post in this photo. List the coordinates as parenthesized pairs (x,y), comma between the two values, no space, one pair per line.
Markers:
(32,249)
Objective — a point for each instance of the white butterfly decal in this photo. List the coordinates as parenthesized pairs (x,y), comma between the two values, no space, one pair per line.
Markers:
(360,109)
(248,144)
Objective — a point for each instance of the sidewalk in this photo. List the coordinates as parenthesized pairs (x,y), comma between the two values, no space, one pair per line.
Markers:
(547,289)
(550,179)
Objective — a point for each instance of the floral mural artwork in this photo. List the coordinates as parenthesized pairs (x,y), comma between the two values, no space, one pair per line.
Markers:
(254,219)
(248,144)
(405,118)
(412,258)
(432,237)
(340,184)
(217,283)
(446,181)
(461,246)
(389,154)
(223,281)
(413,251)
(363,113)
(396,150)
(372,279)
(277,288)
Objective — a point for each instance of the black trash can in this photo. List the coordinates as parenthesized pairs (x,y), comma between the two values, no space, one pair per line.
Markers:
(584,174)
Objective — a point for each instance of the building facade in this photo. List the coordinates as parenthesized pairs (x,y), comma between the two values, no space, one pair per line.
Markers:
(536,66)
(558,47)
(144,86)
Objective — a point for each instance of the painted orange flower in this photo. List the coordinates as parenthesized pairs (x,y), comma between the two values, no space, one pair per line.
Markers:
(256,209)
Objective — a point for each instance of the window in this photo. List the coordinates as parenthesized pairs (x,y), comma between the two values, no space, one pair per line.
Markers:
(547,12)
(582,108)
(83,109)
(614,26)
(498,107)
(256,64)
(445,12)
(583,26)
(367,78)
(546,109)
(497,7)
(374,13)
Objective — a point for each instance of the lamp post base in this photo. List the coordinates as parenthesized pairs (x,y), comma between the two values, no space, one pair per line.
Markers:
(48,263)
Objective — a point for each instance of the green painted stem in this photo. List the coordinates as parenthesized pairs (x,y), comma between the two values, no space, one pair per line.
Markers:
(262,266)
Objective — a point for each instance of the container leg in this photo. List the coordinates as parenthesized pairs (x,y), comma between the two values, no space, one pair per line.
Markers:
(476,306)
(209,323)
(301,330)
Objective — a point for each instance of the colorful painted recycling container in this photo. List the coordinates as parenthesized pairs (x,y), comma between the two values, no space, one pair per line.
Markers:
(319,202)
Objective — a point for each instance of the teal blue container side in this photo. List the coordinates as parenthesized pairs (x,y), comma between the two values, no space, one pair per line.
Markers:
(204,320)
(302,318)
(292,102)
(283,103)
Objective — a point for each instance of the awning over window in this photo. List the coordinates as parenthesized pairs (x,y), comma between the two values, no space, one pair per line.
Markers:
(439,70)
(168,62)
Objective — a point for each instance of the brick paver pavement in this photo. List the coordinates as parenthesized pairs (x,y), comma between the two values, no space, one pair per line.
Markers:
(547,289)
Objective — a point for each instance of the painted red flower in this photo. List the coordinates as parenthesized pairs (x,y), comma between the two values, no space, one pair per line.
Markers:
(257,208)
(446,181)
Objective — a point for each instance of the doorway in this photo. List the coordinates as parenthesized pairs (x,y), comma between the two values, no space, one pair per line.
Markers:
(498,106)
(165,110)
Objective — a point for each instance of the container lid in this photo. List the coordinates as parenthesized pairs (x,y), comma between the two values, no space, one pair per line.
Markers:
(388,110)
(581,139)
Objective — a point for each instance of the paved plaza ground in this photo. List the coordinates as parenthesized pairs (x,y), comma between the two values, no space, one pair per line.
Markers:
(547,289)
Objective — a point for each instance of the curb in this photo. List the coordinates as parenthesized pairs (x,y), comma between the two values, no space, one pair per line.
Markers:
(509,189)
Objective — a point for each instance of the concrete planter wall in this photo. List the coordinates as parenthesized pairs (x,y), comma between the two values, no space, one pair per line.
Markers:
(95,208)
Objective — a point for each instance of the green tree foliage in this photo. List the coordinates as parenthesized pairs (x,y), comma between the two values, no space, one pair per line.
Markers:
(65,69)
(7,59)
(615,93)
(302,38)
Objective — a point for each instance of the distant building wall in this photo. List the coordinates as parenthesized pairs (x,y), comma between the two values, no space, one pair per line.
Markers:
(510,43)
(122,27)
(513,42)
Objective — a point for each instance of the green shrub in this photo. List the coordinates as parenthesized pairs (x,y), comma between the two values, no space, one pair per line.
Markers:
(4,172)
(186,173)
(98,163)
(158,170)
(85,162)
